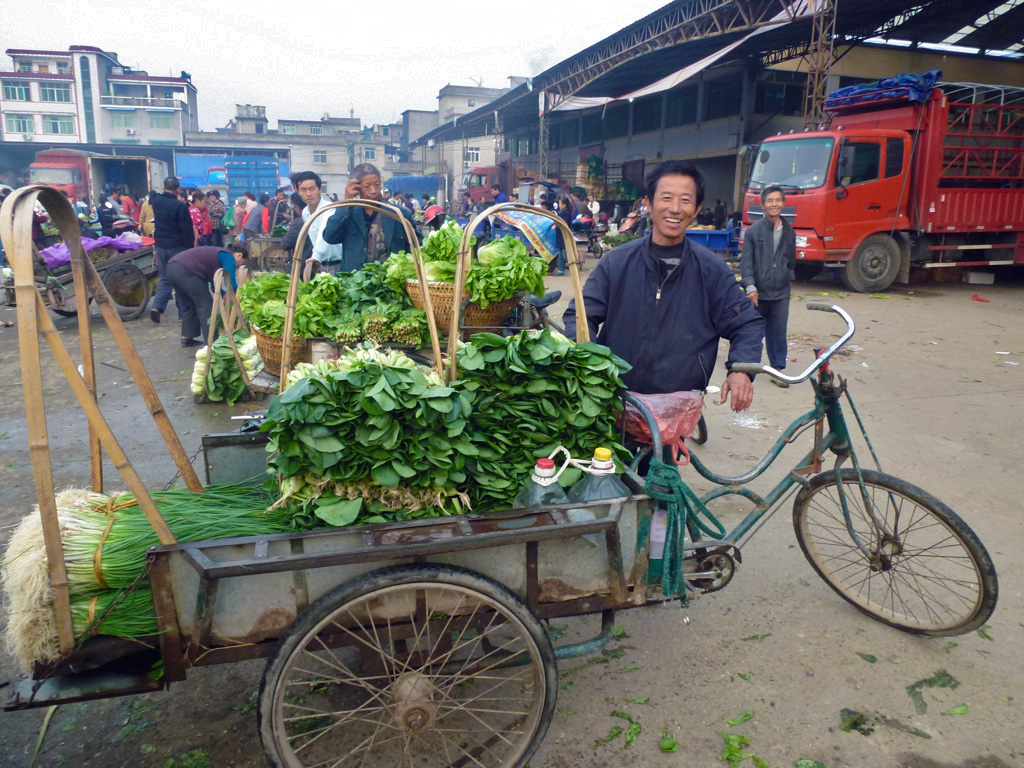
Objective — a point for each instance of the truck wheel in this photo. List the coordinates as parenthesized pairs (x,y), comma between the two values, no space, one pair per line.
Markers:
(805,272)
(874,266)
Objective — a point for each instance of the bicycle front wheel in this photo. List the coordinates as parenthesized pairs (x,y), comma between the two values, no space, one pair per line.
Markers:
(924,571)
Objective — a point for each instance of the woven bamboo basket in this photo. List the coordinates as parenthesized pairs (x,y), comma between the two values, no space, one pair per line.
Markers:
(271,350)
(442,298)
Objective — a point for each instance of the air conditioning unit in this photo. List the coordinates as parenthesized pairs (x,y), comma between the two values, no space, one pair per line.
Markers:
(129,131)
(26,137)
(117,70)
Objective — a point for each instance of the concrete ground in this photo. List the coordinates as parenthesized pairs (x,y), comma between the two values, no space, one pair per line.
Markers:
(943,410)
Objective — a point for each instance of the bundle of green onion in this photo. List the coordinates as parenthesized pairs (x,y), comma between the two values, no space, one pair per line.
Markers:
(132,617)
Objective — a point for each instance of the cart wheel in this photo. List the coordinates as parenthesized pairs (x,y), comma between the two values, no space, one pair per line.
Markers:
(128,288)
(430,664)
(926,572)
(274,260)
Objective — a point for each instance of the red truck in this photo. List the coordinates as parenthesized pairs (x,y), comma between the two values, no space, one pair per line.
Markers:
(90,174)
(64,169)
(888,183)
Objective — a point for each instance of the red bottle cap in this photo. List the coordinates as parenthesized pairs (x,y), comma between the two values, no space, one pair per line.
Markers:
(545,464)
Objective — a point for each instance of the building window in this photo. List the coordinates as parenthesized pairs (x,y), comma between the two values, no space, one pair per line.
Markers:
(593,128)
(647,114)
(90,126)
(780,93)
(259,127)
(160,121)
(616,121)
(15,91)
(59,124)
(570,133)
(63,68)
(55,92)
(20,124)
(24,66)
(472,154)
(316,130)
(288,128)
(320,156)
(369,153)
(724,97)
(123,119)
(44,69)
(681,106)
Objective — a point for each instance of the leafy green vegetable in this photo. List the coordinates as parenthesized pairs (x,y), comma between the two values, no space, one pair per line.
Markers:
(760,762)
(741,719)
(623,715)
(941,679)
(868,657)
(668,743)
(224,382)
(961,710)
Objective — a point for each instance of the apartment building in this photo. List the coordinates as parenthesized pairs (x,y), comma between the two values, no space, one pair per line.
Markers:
(84,95)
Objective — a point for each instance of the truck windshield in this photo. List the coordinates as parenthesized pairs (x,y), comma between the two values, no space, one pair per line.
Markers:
(792,164)
(50,176)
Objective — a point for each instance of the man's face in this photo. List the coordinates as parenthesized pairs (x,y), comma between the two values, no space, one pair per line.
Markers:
(370,187)
(309,191)
(773,204)
(673,206)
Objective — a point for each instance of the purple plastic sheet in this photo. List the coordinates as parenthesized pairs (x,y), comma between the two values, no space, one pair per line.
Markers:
(59,254)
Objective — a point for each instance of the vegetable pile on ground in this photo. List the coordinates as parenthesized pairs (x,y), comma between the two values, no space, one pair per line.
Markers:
(336,307)
(369,437)
(502,268)
(105,541)
(529,394)
(223,379)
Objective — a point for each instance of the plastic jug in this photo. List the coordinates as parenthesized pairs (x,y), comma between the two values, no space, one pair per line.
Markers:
(542,489)
(600,482)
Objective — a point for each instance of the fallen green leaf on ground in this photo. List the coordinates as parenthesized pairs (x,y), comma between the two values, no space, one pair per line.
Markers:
(852,720)
(760,762)
(734,742)
(623,715)
(614,653)
(631,668)
(878,296)
(570,712)
(983,631)
(754,637)
(567,686)
(556,633)
(961,710)
(147,749)
(641,700)
(613,734)
(632,734)
(951,645)
(941,679)
(744,675)
(194,759)
(668,743)
(868,657)
(741,719)
(619,632)
(810,764)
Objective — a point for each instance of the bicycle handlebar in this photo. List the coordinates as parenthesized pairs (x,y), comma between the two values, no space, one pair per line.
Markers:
(820,306)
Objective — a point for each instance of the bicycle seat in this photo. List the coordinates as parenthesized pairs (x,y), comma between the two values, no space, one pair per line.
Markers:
(546,300)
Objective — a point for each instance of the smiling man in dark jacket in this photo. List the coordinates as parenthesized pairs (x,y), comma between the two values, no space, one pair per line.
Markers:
(662,302)
(767,264)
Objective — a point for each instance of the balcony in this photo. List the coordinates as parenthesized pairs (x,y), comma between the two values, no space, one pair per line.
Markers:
(140,102)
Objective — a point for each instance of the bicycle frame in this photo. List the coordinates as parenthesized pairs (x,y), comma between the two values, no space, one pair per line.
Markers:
(829,387)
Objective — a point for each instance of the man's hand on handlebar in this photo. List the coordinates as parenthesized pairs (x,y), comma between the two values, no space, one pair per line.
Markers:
(742,390)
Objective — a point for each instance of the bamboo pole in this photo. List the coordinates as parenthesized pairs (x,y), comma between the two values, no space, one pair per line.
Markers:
(293,289)
(16,235)
(465,259)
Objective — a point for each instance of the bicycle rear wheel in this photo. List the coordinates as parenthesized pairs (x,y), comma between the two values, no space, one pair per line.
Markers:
(925,573)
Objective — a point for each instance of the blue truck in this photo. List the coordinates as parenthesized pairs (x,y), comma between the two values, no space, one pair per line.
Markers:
(259,175)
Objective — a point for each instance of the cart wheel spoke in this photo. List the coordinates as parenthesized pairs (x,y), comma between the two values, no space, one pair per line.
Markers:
(412,665)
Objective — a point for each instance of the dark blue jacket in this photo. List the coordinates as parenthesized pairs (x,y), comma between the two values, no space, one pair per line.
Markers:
(348,226)
(668,331)
(173,223)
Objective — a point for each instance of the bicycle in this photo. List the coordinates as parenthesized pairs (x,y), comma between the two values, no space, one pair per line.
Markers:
(532,313)
(889,548)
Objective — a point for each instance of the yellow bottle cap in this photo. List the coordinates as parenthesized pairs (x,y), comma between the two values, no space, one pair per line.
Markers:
(602,454)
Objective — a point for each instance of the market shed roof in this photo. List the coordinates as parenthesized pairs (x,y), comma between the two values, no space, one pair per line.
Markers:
(686,31)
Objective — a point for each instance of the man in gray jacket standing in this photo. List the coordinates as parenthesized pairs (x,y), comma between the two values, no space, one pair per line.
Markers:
(766,266)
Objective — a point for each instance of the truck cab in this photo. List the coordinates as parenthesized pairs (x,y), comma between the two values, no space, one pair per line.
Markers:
(842,189)
(477,182)
(65,170)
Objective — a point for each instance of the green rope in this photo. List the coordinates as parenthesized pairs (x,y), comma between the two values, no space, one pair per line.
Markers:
(685,510)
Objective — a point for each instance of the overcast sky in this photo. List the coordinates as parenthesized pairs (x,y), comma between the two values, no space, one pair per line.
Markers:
(301,59)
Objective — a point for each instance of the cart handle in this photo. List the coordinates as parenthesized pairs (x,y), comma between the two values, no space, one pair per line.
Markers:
(465,257)
(293,288)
